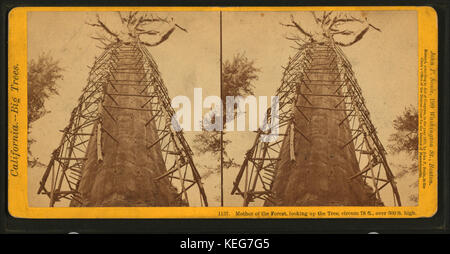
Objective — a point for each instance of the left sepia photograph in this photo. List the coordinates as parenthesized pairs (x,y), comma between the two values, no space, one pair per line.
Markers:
(100,108)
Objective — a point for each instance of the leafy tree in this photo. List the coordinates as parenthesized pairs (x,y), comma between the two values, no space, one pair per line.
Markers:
(238,76)
(406,140)
(43,75)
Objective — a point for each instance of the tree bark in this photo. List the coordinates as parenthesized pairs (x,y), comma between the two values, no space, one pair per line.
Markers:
(126,175)
(320,174)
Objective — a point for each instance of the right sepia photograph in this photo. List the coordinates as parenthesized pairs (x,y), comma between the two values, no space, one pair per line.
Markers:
(343,127)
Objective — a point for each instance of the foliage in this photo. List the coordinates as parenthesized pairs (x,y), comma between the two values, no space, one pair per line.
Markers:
(43,75)
(406,140)
(208,142)
(238,76)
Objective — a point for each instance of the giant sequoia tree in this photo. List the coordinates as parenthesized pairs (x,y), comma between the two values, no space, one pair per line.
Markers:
(119,148)
(320,171)
(328,153)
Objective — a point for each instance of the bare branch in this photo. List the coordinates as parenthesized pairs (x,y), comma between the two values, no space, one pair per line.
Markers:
(346,20)
(120,16)
(135,23)
(356,39)
(326,19)
(102,25)
(316,18)
(379,30)
(301,29)
(152,20)
(100,40)
(291,38)
(288,25)
(149,32)
(92,24)
(343,32)
(295,38)
(143,20)
(331,23)
(181,28)
(162,39)
(357,20)
(131,19)
(296,25)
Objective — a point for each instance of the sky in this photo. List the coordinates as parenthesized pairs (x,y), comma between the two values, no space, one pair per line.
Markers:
(385,64)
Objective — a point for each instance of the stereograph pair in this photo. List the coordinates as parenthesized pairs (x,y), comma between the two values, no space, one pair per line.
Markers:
(229,108)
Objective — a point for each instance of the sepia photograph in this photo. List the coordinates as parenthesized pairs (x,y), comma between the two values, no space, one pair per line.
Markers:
(99,107)
(222,109)
(347,118)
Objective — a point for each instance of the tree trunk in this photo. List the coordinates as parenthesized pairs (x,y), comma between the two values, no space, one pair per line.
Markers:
(124,173)
(318,172)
